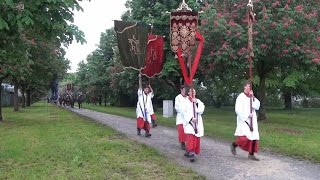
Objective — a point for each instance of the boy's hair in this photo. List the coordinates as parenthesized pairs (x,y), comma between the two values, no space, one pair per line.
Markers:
(182,86)
(187,88)
(246,82)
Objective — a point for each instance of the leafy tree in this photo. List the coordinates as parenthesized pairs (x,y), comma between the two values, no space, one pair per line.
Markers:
(25,23)
(278,42)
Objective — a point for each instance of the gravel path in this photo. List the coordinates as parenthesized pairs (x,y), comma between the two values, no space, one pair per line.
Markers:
(215,160)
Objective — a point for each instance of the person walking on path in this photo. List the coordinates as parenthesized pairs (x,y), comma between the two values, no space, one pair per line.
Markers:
(151,111)
(247,134)
(144,108)
(193,124)
(179,102)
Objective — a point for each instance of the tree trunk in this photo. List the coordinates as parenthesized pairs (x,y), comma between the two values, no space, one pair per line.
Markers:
(287,100)
(15,97)
(262,97)
(23,97)
(1,101)
(105,99)
(28,93)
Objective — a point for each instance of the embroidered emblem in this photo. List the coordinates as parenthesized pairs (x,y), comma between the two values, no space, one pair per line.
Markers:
(134,45)
(153,54)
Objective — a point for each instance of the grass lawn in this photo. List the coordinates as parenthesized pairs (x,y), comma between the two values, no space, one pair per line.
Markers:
(46,142)
(296,134)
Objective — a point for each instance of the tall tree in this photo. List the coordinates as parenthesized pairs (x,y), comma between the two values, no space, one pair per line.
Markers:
(277,37)
(23,23)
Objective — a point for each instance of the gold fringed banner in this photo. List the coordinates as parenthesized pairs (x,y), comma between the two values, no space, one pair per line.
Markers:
(154,58)
(183,27)
(132,41)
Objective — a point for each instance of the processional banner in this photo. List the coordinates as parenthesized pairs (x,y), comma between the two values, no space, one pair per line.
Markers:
(188,77)
(183,27)
(132,41)
(154,59)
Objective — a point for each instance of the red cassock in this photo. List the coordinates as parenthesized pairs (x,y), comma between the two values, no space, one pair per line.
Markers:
(246,144)
(154,57)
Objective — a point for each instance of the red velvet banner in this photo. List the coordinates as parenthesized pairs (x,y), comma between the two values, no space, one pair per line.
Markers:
(188,78)
(154,57)
(183,27)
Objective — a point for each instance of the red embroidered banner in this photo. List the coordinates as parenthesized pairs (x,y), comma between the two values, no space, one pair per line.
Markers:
(154,57)
(183,27)
(188,78)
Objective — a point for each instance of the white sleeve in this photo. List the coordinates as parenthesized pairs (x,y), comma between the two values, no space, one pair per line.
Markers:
(186,119)
(177,103)
(239,109)
(256,104)
(184,111)
(200,107)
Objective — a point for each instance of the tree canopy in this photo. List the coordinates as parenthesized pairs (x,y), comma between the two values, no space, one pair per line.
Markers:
(32,34)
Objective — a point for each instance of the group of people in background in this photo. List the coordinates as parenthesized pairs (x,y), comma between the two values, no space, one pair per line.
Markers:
(189,121)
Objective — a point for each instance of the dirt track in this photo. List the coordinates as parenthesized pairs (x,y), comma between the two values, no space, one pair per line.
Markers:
(216,160)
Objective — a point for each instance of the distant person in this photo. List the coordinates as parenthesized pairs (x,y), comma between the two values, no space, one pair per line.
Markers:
(193,124)
(100,100)
(179,103)
(144,108)
(94,100)
(247,134)
(151,111)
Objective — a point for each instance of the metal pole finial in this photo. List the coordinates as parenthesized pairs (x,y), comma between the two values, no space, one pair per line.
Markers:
(183,6)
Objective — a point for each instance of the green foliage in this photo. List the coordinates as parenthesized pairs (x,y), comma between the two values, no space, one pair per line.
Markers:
(3,24)
(99,75)
(32,34)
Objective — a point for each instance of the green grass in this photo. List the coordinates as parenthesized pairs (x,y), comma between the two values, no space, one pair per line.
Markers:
(296,134)
(46,142)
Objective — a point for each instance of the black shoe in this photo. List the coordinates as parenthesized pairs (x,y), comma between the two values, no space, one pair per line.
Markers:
(192,158)
(139,132)
(233,149)
(148,134)
(154,124)
(183,146)
(253,157)
(187,154)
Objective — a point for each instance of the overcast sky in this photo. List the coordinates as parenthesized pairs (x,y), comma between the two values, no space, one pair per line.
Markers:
(96,18)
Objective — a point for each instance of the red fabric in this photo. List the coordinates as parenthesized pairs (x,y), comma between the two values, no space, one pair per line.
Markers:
(246,144)
(194,66)
(141,124)
(153,117)
(183,27)
(193,143)
(181,135)
(154,58)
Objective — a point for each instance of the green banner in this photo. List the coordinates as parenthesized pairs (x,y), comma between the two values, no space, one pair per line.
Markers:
(132,42)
